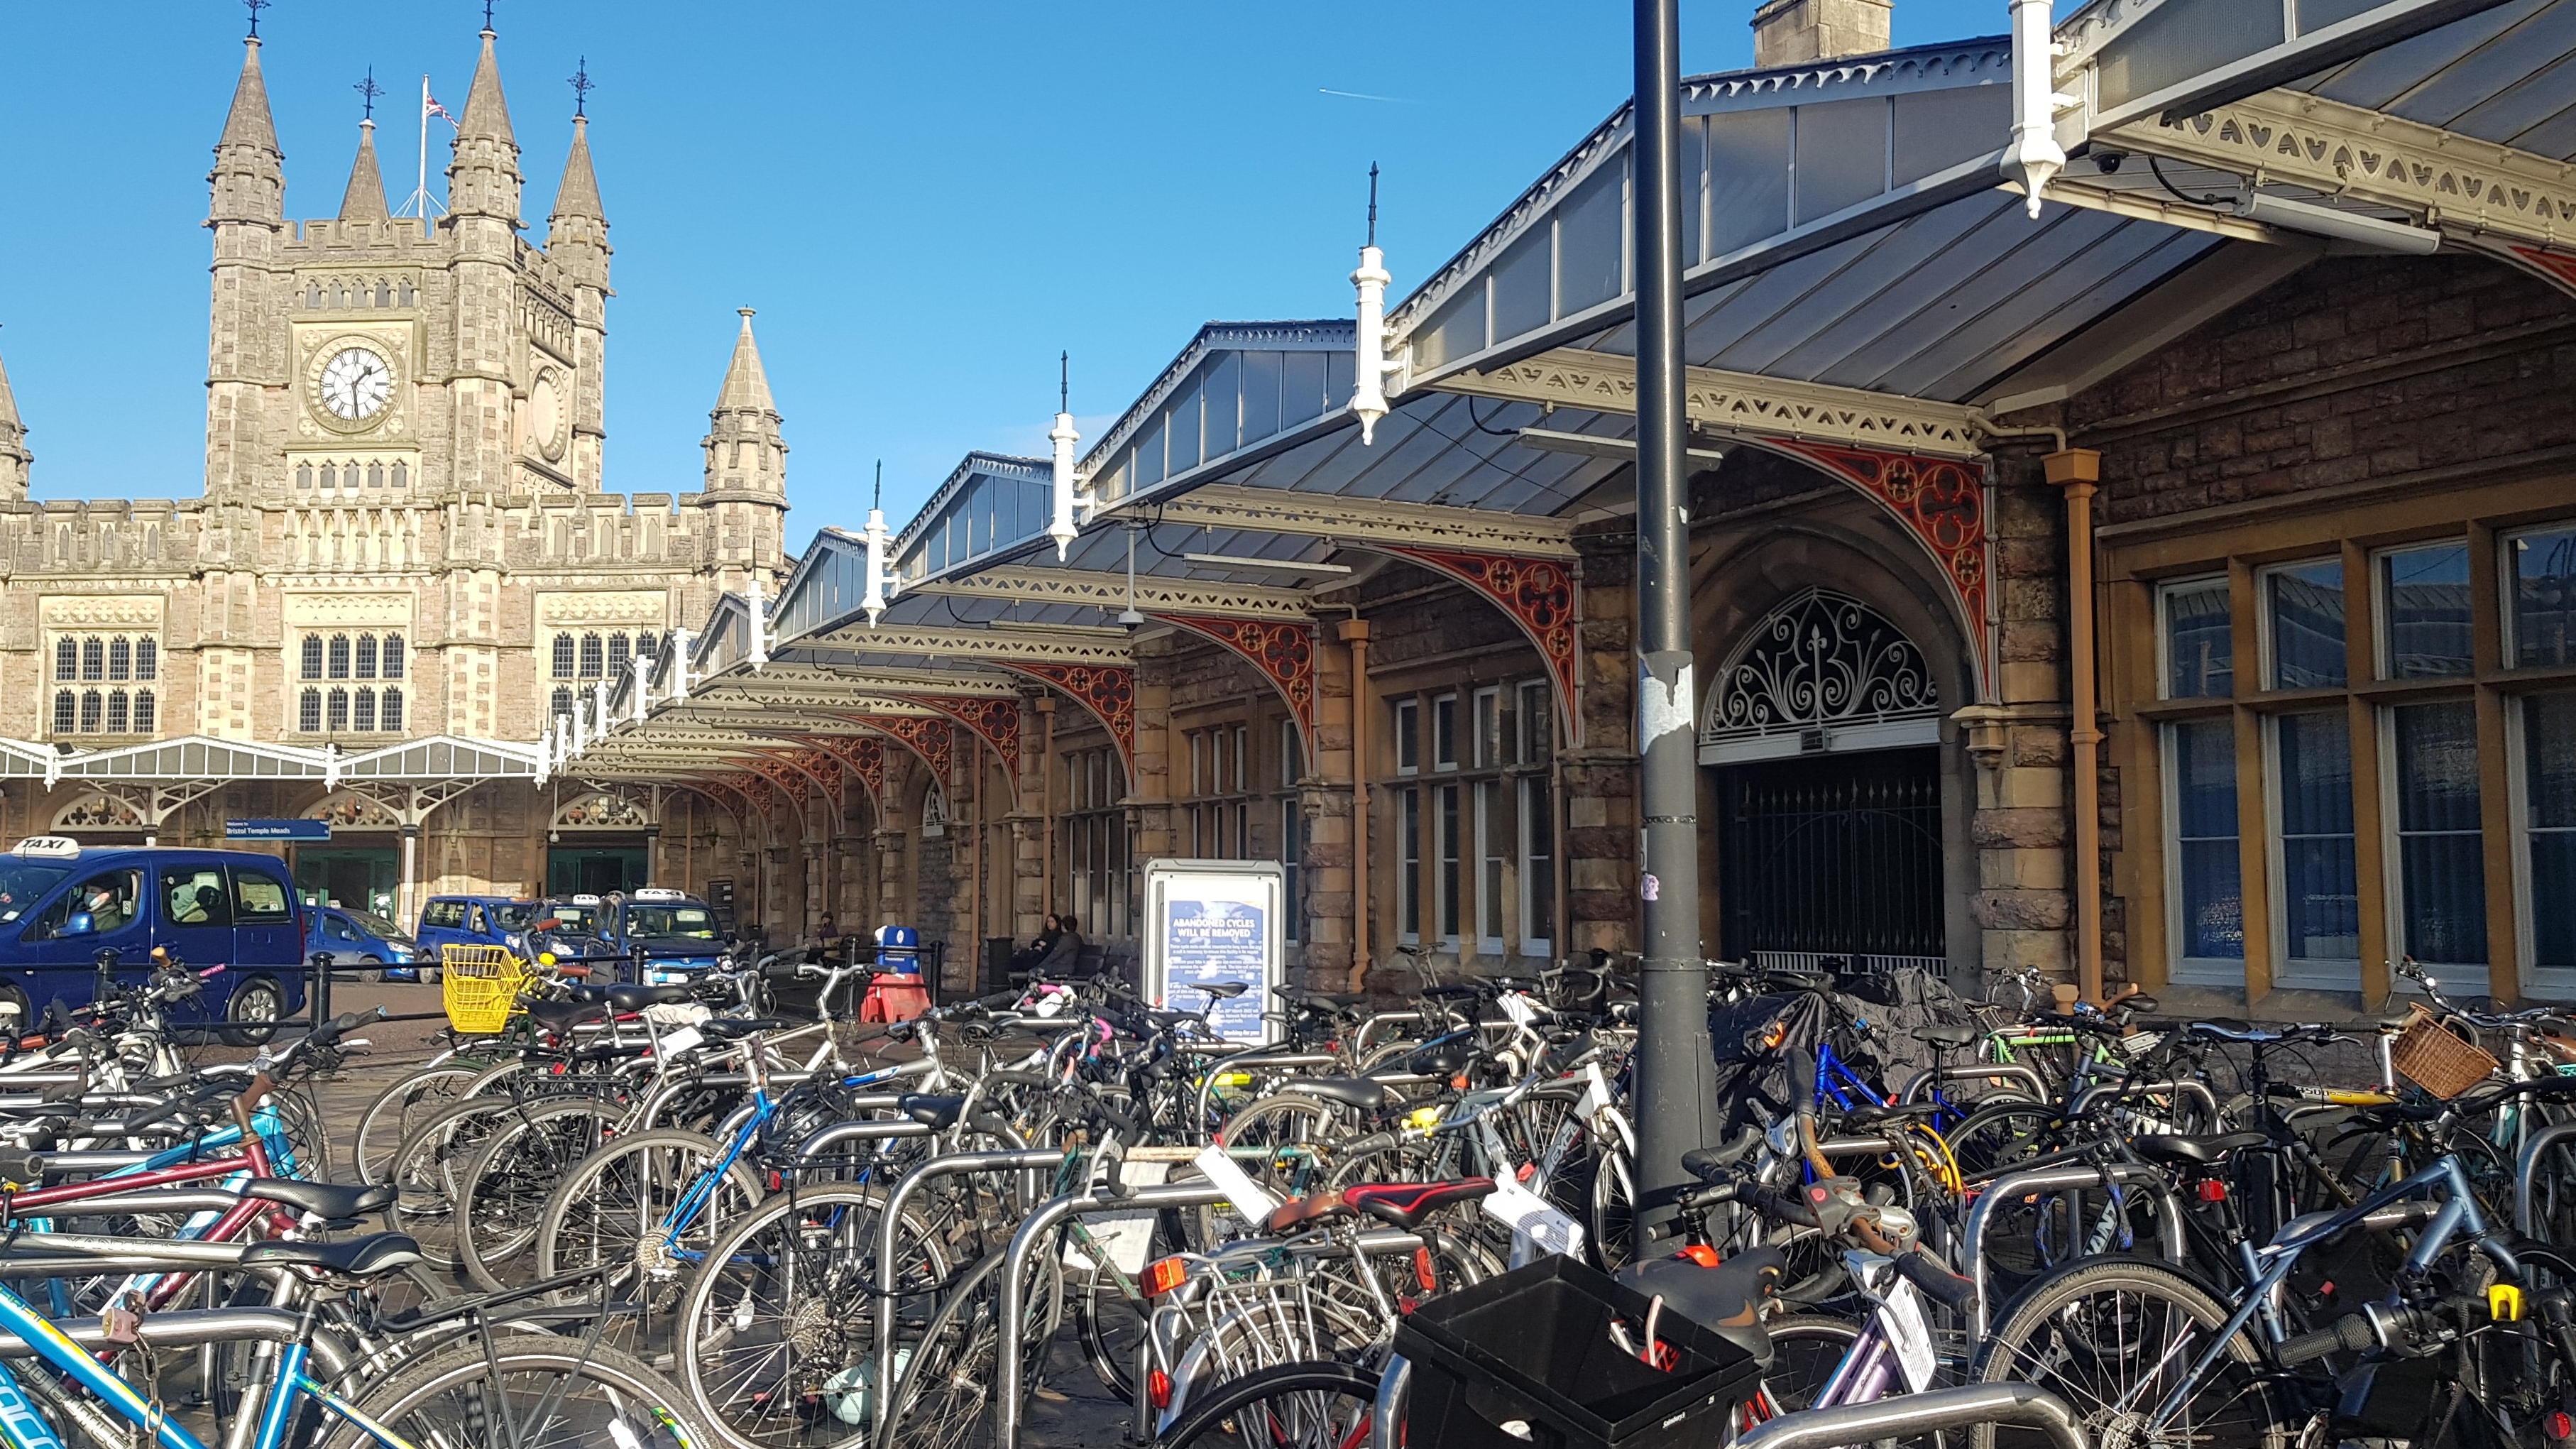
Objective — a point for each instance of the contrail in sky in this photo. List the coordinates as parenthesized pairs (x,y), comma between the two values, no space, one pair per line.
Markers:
(1361,96)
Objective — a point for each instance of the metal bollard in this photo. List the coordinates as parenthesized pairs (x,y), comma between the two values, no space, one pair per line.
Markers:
(2003,1189)
(2023,1406)
(960,1162)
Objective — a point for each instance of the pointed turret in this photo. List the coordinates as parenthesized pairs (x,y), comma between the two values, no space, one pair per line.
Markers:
(745,451)
(14,456)
(483,180)
(365,198)
(249,178)
(577,232)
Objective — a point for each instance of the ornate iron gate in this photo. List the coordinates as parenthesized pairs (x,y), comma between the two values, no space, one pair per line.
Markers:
(1832,856)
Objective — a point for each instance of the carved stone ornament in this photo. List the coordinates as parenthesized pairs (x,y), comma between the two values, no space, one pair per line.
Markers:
(81,611)
(627,606)
(99,812)
(603,811)
(349,810)
(347,609)
(1819,661)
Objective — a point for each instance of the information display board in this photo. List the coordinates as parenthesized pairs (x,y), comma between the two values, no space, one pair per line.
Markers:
(1212,921)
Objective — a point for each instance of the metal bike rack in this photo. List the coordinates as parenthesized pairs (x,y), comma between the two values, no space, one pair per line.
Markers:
(2023,1406)
(1040,1228)
(2177,1087)
(1247,1062)
(1392,1385)
(2524,1164)
(1920,1082)
(2046,1179)
(951,1165)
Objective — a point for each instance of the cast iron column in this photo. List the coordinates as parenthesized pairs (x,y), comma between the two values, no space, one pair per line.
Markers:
(1675,1112)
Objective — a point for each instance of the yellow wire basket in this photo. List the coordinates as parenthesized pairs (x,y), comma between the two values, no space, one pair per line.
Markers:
(482,985)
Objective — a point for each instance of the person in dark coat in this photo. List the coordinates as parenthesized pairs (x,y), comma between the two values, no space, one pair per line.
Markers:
(1027,957)
(1065,952)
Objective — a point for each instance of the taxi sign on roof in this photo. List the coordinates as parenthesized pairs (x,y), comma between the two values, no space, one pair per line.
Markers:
(658,893)
(61,847)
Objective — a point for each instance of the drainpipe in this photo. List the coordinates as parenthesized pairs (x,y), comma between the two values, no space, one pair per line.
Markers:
(2079,472)
(1046,804)
(1355,633)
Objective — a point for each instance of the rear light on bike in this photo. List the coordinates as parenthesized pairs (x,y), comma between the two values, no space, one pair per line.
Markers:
(1702,1254)
(1458,1083)
(1158,1387)
(1163,1275)
(2212,1190)
(1526,1171)
(1422,1272)
(2560,1426)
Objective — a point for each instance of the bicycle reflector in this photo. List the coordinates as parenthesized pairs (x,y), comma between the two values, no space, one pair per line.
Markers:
(2212,1190)
(1158,1387)
(1163,1275)
(545,958)
(2504,1305)
(2560,1426)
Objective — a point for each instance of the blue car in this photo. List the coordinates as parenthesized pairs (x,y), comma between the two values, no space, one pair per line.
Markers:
(676,931)
(64,908)
(360,941)
(470,921)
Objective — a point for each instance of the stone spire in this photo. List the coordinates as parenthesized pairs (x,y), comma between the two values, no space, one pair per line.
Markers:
(744,449)
(249,178)
(14,456)
(365,198)
(578,223)
(484,179)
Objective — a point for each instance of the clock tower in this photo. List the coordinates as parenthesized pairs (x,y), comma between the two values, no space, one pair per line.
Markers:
(380,361)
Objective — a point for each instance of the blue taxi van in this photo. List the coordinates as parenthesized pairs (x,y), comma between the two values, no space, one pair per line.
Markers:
(61,904)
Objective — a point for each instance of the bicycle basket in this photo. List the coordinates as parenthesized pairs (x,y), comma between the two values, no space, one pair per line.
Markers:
(481,985)
(2434,1057)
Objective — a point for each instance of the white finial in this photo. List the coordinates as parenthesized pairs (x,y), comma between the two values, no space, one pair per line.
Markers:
(679,675)
(874,600)
(1069,494)
(2034,156)
(641,681)
(1369,364)
(758,614)
(599,699)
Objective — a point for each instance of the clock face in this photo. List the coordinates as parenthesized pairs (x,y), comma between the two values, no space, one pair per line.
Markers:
(546,417)
(355,384)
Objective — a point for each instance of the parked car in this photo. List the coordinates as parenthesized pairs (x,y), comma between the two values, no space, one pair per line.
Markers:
(360,941)
(469,921)
(62,905)
(676,931)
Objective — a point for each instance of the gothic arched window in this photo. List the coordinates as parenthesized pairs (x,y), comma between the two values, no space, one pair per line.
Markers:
(366,656)
(308,712)
(375,475)
(120,658)
(303,475)
(66,659)
(338,706)
(591,654)
(618,656)
(404,294)
(393,665)
(563,656)
(147,658)
(116,711)
(562,705)
(91,705)
(365,720)
(391,717)
(145,719)
(402,474)
(313,656)
(93,658)
(647,647)
(66,712)
(339,656)
(330,476)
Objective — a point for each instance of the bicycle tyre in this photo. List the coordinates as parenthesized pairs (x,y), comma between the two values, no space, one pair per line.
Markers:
(1298,1406)
(589,1392)
(401,1107)
(2087,1330)
(504,1190)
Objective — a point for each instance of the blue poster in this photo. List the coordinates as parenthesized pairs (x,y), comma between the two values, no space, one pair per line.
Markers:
(1206,942)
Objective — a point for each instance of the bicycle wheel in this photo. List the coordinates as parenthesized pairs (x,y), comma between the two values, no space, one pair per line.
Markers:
(1806,1348)
(1293,1406)
(1993,1139)
(428,1172)
(944,1398)
(777,1330)
(526,1393)
(400,1108)
(2116,1338)
(614,1208)
(504,1189)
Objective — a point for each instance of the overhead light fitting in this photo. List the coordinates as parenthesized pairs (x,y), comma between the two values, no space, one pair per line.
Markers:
(2325,221)
(1085,631)
(1276,565)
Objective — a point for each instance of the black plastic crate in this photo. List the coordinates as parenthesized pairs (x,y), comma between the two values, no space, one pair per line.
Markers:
(1534,1346)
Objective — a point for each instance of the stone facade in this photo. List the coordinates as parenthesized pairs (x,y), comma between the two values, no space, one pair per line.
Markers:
(405,458)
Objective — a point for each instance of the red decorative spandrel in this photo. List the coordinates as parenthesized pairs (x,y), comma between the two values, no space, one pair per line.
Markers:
(1284,652)
(1107,690)
(929,738)
(997,720)
(862,755)
(1539,596)
(2558,267)
(1941,502)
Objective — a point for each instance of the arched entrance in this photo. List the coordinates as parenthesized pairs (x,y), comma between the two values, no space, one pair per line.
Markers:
(599,843)
(1824,731)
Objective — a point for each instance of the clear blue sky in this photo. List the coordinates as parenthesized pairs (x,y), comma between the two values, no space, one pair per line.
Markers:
(925,201)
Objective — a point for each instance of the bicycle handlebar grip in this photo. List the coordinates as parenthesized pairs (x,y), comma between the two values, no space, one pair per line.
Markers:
(1787,1207)
(22,1167)
(1802,1078)
(1938,1283)
(2348,1334)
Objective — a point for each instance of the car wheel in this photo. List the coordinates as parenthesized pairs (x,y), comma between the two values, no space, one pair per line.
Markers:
(255,1008)
(371,969)
(25,1021)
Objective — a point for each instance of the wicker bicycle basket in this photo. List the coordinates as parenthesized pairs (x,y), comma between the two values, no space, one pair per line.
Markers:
(2439,1060)
(482,985)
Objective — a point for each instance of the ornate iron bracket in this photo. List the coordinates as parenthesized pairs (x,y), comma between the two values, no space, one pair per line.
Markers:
(1284,653)
(997,720)
(1942,503)
(930,739)
(1538,594)
(1107,690)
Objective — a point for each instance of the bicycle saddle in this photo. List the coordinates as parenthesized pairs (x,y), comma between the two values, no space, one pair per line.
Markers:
(366,1257)
(1320,1000)
(1443,1058)
(1726,1300)
(2138,1003)
(1221,990)
(1357,1093)
(734,1028)
(936,1113)
(321,1199)
(1941,1035)
(2175,1150)
(1717,1164)
(559,1017)
(636,998)
(1405,1204)
(1800,980)
(1303,1212)
(1872,1113)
